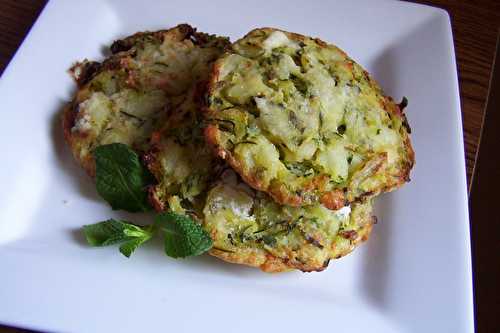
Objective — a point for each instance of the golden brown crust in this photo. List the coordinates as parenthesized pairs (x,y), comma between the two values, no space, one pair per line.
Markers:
(333,200)
(179,33)
(270,264)
(278,193)
(254,258)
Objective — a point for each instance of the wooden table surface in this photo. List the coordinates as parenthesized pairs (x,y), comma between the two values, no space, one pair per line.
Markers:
(475,27)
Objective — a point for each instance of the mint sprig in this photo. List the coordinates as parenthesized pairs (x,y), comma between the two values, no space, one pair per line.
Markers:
(183,236)
(112,231)
(121,179)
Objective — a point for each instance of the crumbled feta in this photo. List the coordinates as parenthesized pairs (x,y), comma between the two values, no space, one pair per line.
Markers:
(241,210)
(277,39)
(83,124)
(343,212)
(235,197)
(77,71)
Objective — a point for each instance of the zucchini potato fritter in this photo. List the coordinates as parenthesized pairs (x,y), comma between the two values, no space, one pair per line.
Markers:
(299,119)
(125,98)
(249,228)
(178,157)
(180,160)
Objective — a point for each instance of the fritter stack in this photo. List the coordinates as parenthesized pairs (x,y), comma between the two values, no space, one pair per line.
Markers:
(276,144)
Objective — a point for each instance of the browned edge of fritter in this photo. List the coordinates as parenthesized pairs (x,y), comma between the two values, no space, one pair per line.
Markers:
(271,264)
(153,164)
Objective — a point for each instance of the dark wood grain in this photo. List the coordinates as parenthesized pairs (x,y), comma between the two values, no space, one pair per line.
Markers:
(475,27)
(16,18)
(483,209)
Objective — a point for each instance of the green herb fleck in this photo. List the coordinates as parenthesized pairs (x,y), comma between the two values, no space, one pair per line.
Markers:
(303,169)
(269,240)
(341,129)
(225,125)
(299,84)
(404,103)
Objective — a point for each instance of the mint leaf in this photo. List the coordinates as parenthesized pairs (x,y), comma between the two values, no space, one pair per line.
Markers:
(121,179)
(183,236)
(129,247)
(112,231)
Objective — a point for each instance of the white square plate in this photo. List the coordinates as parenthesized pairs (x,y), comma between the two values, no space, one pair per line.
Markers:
(413,275)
